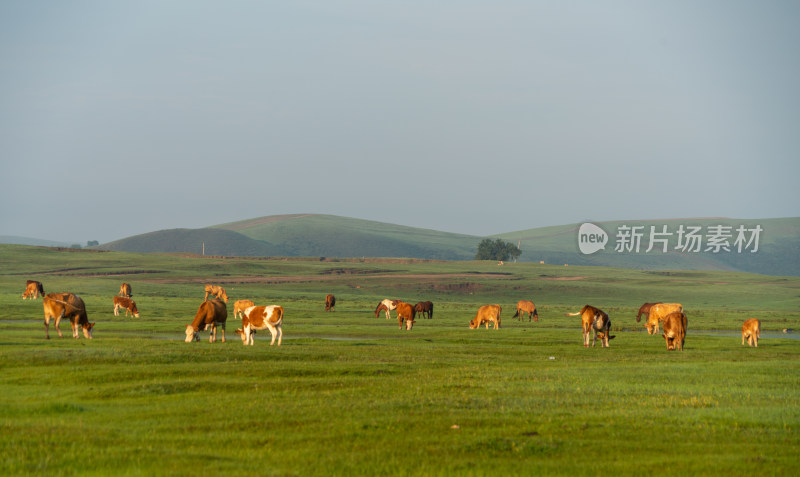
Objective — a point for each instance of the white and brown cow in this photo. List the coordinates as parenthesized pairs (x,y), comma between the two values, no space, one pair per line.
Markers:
(405,315)
(487,314)
(127,304)
(239,306)
(386,305)
(125,290)
(594,319)
(211,313)
(658,313)
(675,330)
(261,318)
(751,331)
(33,290)
(66,305)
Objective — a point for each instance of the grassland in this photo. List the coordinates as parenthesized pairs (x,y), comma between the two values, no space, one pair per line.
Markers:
(349,394)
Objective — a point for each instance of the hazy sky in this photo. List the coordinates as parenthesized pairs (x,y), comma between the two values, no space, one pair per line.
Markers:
(480,117)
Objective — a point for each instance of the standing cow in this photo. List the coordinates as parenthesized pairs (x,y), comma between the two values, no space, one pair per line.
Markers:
(239,306)
(487,314)
(751,331)
(658,313)
(645,310)
(330,302)
(127,304)
(424,308)
(262,318)
(33,290)
(675,330)
(217,291)
(594,319)
(125,290)
(66,305)
(211,313)
(526,306)
(405,315)
(386,306)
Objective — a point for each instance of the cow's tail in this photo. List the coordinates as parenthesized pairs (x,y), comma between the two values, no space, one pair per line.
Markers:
(572,314)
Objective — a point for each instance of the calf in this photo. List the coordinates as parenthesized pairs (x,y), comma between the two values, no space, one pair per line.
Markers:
(675,330)
(405,315)
(594,319)
(486,314)
(424,308)
(261,318)
(751,331)
(526,306)
(125,290)
(330,302)
(33,290)
(126,303)
(218,292)
(211,313)
(61,305)
(239,306)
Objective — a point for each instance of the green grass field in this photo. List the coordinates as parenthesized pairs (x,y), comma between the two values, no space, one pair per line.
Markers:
(349,394)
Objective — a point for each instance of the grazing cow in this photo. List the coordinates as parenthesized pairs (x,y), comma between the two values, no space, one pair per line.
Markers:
(386,305)
(645,310)
(526,306)
(330,302)
(658,312)
(33,290)
(126,303)
(486,314)
(751,331)
(594,319)
(675,330)
(239,306)
(219,292)
(424,308)
(261,318)
(211,313)
(69,305)
(125,290)
(405,315)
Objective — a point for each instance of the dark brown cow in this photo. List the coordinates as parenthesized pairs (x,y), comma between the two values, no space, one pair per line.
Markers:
(645,310)
(219,292)
(211,313)
(126,303)
(424,308)
(66,305)
(125,290)
(330,302)
(261,318)
(594,319)
(675,330)
(33,290)
(487,314)
(405,315)
(526,306)
(751,330)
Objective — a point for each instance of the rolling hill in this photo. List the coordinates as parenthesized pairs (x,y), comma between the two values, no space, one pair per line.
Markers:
(313,235)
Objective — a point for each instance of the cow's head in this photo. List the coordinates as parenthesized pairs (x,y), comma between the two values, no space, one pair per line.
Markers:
(87,330)
(409,323)
(134,310)
(535,315)
(473,324)
(242,335)
(191,334)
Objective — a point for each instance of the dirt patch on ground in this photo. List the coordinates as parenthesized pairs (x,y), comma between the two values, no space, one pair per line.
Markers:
(562,278)
(315,278)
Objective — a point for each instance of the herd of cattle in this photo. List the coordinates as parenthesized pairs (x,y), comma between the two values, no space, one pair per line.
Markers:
(213,314)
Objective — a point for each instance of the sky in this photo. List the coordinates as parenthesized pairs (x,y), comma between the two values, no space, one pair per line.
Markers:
(476,117)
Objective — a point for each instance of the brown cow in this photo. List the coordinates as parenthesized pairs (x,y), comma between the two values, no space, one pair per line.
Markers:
(594,319)
(239,306)
(658,312)
(69,305)
(261,318)
(219,292)
(126,303)
(751,331)
(675,330)
(211,313)
(645,310)
(424,308)
(486,314)
(405,315)
(125,290)
(526,306)
(330,302)
(33,290)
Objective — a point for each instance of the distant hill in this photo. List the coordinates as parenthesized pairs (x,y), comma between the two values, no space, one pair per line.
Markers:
(14,240)
(314,235)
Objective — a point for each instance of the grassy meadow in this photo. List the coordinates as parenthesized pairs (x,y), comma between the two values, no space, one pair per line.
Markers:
(351,394)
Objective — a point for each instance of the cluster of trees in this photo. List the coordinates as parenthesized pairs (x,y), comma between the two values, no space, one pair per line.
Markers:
(89,243)
(498,249)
